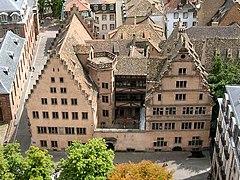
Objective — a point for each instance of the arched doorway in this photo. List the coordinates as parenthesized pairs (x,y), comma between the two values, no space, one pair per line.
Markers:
(177,148)
(1,115)
(110,146)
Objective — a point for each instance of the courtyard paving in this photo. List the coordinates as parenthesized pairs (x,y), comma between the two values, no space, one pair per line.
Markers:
(185,168)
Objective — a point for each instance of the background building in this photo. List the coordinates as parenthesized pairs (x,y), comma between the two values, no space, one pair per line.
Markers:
(226,162)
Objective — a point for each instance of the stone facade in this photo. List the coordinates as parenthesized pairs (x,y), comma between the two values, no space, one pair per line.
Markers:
(120,82)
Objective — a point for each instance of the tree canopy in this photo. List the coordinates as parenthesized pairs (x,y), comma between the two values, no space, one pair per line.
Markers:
(224,72)
(55,5)
(87,161)
(145,170)
(37,165)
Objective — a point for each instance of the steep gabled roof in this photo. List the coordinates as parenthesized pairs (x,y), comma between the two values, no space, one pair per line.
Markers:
(10,54)
(10,5)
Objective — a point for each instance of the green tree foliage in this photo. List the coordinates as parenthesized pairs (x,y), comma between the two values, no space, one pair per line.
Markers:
(37,165)
(88,161)
(55,5)
(12,160)
(223,73)
(145,170)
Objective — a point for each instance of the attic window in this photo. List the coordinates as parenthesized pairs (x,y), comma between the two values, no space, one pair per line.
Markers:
(16,41)
(183,56)
(10,54)
(143,35)
(5,70)
(121,35)
(104,7)
(3,18)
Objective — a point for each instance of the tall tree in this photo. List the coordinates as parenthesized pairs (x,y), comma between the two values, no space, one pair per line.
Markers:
(38,165)
(145,170)
(56,7)
(87,161)
(13,160)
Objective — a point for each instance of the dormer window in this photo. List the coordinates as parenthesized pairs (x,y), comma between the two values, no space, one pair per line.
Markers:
(3,17)
(104,7)
(15,17)
(10,54)
(111,7)
(95,7)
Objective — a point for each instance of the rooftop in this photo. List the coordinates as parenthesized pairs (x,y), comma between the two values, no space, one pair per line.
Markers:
(10,54)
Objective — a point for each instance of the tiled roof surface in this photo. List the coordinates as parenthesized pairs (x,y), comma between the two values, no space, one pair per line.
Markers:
(144,8)
(81,4)
(208,9)
(172,5)
(11,45)
(111,45)
(154,67)
(131,66)
(209,40)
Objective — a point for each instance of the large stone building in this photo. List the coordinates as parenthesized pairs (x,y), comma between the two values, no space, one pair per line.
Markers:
(116,89)
(226,162)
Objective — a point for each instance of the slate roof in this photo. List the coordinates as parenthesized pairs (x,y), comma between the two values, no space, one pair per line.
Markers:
(131,66)
(11,5)
(234,95)
(12,44)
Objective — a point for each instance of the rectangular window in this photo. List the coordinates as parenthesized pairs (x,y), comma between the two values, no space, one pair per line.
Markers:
(64,101)
(54,144)
(105,85)
(65,115)
(44,101)
(185,15)
(176,15)
(157,126)
(160,143)
(84,115)
(104,27)
(74,115)
(169,126)
(178,140)
(187,110)
(194,14)
(159,97)
(54,101)
(53,90)
(104,17)
(196,141)
(105,99)
(181,84)
(35,115)
(81,131)
(200,110)
(52,80)
(52,130)
(63,90)
(180,97)
(61,80)
(170,110)
(105,113)
(112,17)
(111,7)
(69,143)
(199,125)
(104,7)
(182,71)
(69,130)
(42,130)
(158,111)
(194,23)
(200,96)
(112,26)
(55,115)
(43,143)
(187,125)
(45,115)
(74,101)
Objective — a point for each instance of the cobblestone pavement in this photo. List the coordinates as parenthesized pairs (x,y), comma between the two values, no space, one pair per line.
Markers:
(185,168)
